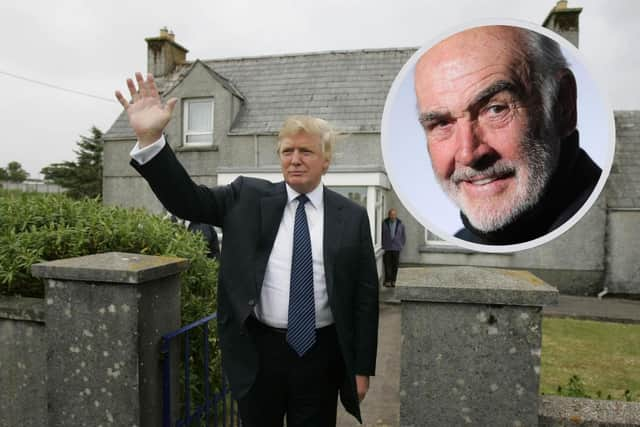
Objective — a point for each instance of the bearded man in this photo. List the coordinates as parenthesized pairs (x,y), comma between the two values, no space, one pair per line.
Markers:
(498,106)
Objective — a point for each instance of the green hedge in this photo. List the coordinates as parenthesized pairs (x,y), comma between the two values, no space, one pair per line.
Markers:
(41,227)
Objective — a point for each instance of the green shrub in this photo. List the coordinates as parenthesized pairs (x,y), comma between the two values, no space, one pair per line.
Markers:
(574,388)
(43,227)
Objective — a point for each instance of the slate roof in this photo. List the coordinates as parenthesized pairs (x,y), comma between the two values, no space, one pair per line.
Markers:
(623,187)
(347,88)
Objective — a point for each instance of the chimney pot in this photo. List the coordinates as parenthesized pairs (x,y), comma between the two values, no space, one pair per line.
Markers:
(565,21)
(164,54)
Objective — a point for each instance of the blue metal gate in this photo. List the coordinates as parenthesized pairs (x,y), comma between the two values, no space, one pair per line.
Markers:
(217,408)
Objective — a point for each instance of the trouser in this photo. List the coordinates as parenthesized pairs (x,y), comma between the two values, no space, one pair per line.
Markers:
(305,389)
(391,259)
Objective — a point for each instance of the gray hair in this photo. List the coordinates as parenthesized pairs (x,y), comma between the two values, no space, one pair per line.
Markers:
(545,61)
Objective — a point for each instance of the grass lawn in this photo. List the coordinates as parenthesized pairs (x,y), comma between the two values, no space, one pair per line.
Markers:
(604,355)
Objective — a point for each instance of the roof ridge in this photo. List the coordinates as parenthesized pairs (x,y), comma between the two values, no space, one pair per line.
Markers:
(318,53)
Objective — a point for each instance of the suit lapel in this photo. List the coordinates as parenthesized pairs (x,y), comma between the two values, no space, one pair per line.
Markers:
(271,209)
(333,222)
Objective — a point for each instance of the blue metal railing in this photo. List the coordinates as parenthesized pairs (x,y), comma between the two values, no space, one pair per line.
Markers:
(208,412)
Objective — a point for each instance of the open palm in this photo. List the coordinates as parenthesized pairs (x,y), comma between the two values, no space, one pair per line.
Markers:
(148,116)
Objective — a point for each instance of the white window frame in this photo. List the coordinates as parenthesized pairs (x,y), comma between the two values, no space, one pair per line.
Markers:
(185,122)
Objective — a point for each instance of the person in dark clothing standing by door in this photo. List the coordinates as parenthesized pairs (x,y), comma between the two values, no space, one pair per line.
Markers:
(393,239)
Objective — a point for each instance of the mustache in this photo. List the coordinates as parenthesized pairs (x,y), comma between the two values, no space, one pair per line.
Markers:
(498,169)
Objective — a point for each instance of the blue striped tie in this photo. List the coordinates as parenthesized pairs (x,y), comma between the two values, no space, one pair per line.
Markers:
(301,330)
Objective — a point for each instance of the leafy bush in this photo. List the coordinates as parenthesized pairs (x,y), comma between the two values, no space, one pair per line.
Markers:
(43,227)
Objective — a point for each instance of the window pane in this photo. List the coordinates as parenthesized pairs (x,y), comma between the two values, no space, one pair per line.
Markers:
(357,194)
(200,116)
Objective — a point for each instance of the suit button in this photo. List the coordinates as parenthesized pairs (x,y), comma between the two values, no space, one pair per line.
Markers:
(252,302)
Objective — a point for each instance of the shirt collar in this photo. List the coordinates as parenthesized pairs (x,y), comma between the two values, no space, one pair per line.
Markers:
(315,196)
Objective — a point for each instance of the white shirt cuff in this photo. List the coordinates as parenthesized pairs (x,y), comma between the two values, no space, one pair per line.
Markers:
(143,155)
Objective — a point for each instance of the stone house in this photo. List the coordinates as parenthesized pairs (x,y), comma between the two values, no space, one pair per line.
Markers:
(230,110)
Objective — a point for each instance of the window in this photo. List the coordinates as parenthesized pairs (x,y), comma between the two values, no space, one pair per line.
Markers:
(357,194)
(372,199)
(198,121)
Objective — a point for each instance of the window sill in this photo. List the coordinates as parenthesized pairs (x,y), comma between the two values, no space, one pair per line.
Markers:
(442,248)
(207,147)
(452,249)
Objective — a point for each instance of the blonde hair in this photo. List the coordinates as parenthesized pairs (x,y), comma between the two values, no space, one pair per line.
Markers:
(313,126)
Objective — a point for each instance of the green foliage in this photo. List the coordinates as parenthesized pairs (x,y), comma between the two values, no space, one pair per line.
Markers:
(574,388)
(38,227)
(82,178)
(13,172)
(629,396)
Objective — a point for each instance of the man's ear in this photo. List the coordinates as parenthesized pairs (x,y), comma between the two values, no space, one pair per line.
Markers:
(566,108)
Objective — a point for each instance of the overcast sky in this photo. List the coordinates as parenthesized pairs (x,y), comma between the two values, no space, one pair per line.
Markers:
(91,46)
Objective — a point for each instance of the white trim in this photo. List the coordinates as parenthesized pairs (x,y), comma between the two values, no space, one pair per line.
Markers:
(185,122)
(371,211)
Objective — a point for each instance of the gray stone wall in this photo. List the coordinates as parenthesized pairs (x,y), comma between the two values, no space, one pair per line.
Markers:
(471,346)
(23,368)
(573,262)
(556,411)
(105,315)
(623,251)
(32,186)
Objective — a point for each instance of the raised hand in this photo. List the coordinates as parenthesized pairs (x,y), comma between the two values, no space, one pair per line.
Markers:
(148,116)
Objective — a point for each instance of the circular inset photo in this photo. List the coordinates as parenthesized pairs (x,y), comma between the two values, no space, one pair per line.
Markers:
(496,137)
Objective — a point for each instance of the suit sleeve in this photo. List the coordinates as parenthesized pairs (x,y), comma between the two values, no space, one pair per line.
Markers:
(177,192)
(366,310)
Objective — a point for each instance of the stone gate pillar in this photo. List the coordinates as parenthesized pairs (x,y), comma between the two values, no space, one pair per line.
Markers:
(105,315)
(471,341)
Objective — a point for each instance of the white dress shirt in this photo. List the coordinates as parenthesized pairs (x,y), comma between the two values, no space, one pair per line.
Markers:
(273,305)
(143,155)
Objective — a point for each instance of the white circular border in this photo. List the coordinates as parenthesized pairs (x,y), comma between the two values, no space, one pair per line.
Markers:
(396,170)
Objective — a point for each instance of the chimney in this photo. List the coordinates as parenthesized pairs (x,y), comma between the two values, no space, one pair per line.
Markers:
(163,53)
(564,20)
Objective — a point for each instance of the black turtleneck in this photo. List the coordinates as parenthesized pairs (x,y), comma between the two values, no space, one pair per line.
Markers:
(570,186)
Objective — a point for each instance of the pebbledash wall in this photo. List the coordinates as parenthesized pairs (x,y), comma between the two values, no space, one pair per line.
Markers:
(23,367)
(252,96)
(88,354)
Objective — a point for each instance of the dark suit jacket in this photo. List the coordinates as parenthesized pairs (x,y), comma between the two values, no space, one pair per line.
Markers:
(249,212)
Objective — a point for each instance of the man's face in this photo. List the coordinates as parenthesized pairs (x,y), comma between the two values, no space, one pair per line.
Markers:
(471,90)
(302,161)
(393,215)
